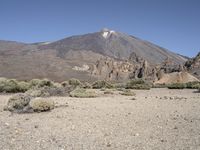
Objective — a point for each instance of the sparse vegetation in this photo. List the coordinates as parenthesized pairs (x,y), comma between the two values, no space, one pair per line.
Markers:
(127,92)
(40,83)
(138,84)
(41,104)
(177,86)
(160,86)
(83,93)
(13,86)
(193,85)
(102,84)
(75,82)
(189,85)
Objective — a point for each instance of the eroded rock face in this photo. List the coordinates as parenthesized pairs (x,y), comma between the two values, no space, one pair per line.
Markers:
(193,66)
(136,67)
(111,69)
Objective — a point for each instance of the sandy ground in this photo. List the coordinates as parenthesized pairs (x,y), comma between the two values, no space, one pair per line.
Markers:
(151,122)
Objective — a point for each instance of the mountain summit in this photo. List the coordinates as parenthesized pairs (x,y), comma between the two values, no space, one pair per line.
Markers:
(76,56)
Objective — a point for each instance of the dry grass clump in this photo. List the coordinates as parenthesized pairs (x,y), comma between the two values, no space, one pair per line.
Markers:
(102,84)
(138,84)
(41,105)
(83,93)
(127,92)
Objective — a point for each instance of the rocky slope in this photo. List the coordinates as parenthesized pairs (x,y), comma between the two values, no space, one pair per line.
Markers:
(106,54)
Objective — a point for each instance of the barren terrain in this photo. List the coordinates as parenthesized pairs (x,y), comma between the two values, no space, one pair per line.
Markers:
(158,119)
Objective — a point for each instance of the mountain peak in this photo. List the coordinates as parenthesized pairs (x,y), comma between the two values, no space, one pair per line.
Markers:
(106,32)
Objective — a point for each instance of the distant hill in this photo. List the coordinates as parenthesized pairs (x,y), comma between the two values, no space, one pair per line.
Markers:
(76,56)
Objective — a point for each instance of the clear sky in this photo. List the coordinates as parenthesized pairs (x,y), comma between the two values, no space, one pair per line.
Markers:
(172,24)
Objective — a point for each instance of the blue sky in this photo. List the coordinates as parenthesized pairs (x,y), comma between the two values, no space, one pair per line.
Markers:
(172,24)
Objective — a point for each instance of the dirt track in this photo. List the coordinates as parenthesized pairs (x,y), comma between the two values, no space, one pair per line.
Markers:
(151,122)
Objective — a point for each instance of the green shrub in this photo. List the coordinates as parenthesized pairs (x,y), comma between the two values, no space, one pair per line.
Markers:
(83,93)
(160,86)
(41,105)
(102,84)
(41,83)
(127,92)
(23,86)
(75,82)
(193,85)
(138,84)
(177,86)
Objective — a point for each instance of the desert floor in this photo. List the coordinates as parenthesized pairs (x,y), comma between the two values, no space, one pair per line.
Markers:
(159,119)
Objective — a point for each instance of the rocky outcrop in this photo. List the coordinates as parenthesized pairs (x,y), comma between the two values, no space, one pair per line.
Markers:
(110,69)
(193,66)
(176,77)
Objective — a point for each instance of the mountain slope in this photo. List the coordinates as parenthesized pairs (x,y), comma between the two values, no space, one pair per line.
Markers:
(116,45)
(76,56)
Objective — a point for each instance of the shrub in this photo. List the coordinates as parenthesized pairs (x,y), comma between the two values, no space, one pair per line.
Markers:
(160,85)
(40,83)
(138,84)
(9,86)
(87,85)
(49,91)
(41,104)
(38,92)
(177,86)
(23,86)
(128,92)
(102,84)
(19,103)
(82,93)
(75,82)
(193,85)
